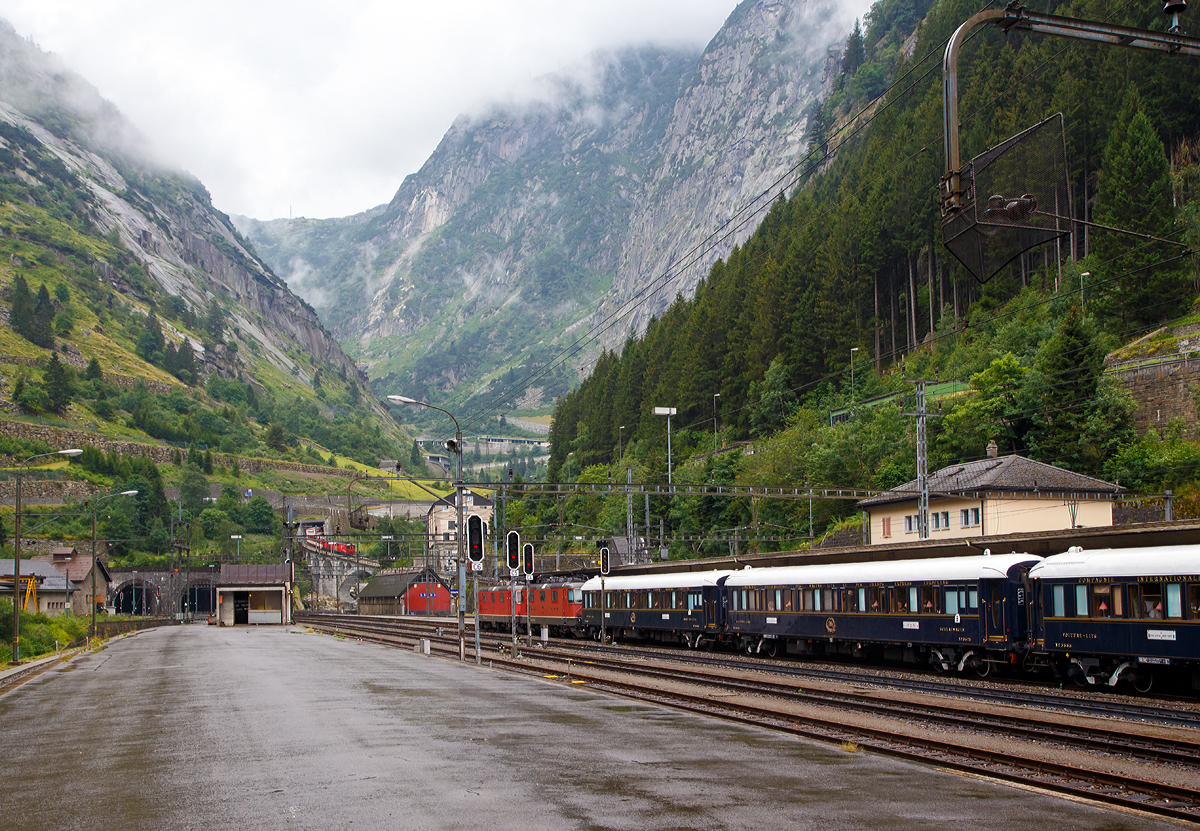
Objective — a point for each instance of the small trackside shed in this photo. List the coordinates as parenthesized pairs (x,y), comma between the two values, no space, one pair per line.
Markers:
(402,591)
(250,594)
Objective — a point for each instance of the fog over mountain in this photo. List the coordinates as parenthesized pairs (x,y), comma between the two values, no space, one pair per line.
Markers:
(536,217)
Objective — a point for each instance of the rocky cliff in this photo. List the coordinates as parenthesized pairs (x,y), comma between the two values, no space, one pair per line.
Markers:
(77,158)
(531,223)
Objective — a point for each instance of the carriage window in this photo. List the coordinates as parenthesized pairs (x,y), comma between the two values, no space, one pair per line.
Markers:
(1146,601)
(878,601)
(928,600)
(973,598)
(829,604)
(1194,601)
(1081,601)
(906,601)
(952,601)
(778,600)
(1174,600)
(542,596)
(816,596)
(1059,594)
(862,600)
(1106,600)
(996,616)
(553,594)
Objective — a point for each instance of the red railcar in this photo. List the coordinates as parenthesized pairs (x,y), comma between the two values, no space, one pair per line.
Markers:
(496,607)
(558,606)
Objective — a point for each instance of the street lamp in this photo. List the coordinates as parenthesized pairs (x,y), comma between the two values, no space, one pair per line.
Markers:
(853,349)
(16,641)
(237,537)
(668,412)
(1082,308)
(716,395)
(458,498)
(95,508)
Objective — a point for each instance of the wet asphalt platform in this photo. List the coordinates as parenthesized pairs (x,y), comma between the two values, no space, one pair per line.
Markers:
(255,728)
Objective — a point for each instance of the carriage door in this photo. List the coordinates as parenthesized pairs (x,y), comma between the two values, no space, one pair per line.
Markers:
(992,609)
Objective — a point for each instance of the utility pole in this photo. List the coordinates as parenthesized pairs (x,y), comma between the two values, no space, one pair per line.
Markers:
(922,460)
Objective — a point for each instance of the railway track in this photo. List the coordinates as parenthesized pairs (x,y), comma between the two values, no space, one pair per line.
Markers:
(717,694)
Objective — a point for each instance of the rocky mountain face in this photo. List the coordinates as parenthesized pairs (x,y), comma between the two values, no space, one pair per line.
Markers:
(72,148)
(531,224)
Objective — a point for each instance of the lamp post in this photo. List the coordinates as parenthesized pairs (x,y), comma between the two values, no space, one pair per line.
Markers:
(853,349)
(237,537)
(668,412)
(95,508)
(1082,308)
(16,641)
(458,499)
(716,395)
(620,442)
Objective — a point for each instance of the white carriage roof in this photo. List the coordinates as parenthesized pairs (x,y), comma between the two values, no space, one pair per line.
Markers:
(1159,561)
(642,582)
(890,571)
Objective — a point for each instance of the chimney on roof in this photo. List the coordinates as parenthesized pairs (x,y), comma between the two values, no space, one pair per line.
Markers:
(993,450)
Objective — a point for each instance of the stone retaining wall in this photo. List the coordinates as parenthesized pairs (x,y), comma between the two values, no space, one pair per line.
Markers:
(1163,391)
(160,454)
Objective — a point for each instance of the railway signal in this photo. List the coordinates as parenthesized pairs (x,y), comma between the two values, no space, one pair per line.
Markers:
(604,560)
(475,533)
(512,546)
(527,560)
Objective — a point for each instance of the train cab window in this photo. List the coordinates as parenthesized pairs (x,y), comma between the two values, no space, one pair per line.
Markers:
(1174,600)
(1106,601)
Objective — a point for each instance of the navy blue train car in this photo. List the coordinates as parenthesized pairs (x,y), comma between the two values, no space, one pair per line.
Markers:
(958,613)
(682,607)
(1130,614)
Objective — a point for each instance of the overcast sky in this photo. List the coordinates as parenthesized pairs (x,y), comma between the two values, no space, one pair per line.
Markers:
(321,108)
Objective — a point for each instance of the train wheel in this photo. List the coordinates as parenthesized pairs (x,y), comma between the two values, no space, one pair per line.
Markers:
(1143,680)
(771,649)
(983,668)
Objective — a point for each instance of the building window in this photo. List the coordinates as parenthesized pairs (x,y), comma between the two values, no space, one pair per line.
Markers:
(968,517)
(887,526)
(912,524)
(451,525)
(940,520)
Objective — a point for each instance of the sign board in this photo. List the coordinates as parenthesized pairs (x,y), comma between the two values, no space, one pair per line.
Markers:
(454,592)
(476,566)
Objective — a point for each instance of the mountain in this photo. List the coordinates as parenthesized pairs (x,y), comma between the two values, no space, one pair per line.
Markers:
(532,221)
(141,266)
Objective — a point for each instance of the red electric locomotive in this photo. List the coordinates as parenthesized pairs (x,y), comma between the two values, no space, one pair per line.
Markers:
(496,606)
(558,606)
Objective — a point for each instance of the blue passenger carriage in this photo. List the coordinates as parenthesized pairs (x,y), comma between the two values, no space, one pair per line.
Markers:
(1128,614)
(682,607)
(956,613)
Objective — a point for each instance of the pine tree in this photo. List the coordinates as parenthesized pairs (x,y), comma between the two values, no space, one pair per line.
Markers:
(41,331)
(93,373)
(1135,195)
(57,383)
(20,316)
(855,53)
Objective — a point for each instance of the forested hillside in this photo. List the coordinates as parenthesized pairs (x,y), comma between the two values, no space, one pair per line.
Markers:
(850,267)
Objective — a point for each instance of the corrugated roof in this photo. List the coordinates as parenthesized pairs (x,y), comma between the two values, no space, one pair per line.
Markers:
(1014,474)
(255,574)
(52,578)
(394,582)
